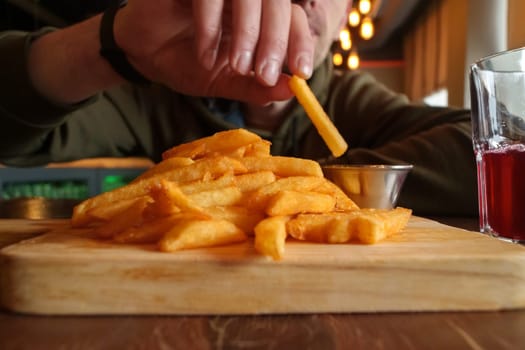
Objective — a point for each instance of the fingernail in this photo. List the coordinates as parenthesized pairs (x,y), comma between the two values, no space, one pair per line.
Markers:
(269,72)
(304,65)
(208,58)
(243,62)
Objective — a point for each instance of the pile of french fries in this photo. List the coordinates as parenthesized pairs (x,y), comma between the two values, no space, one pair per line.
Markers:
(226,188)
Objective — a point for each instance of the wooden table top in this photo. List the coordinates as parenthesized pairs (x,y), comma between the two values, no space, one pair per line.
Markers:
(438,330)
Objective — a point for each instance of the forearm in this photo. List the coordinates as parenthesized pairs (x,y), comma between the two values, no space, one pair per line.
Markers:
(65,65)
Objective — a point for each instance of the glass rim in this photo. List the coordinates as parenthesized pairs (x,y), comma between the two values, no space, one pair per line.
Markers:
(478,64)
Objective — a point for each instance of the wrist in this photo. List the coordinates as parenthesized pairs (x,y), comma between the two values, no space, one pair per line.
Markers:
(111,51)
(65,65)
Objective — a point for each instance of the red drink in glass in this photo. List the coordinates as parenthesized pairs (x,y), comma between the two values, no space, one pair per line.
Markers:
(502,192)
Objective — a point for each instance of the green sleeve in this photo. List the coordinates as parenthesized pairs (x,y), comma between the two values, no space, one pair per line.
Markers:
(36,131)
(124,121)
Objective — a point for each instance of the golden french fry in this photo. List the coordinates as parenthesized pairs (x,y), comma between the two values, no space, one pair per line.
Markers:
(373,225)
(153,230)
(206,167)
(108,211)
(213,167)
(200,185)
(216,190)
(219,197)
(242,217)
(259,148)
(338,232)
(342,201)
(364,225)
(130,217)
(165,165)
(260,197)
(294,202)
(188,234)
(169,199)
(331,136)
(252,181)
(331,227)
(283,166)
(215,144)
(270,236)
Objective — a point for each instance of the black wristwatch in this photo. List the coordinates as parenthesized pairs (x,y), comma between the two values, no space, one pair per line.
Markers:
(109,49)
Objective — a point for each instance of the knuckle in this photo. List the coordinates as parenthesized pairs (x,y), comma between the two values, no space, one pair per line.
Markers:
(279,44)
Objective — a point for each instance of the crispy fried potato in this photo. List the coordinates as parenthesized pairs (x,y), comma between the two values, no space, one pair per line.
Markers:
(206,167)
(331,136)
(374,225)
(213,167)
(226,196)
(242,217)
(164,166)
(252,181)
(188,234)
(107,212)
(215,144)
(200,185)
(169,199)
(153,230)
(318,227)
(283,166)
(259,198)
(270,236)
(259,148)
(130,217)
(342,201)
(295,202)
(364,225)
(218,190)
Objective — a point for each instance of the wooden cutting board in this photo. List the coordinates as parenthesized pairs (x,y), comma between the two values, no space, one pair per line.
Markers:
(428,267)
(15,230)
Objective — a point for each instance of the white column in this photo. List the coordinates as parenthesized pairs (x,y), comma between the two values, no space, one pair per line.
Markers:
(486,33)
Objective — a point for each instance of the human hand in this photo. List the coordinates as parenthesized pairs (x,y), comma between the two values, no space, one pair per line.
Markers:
(226,48)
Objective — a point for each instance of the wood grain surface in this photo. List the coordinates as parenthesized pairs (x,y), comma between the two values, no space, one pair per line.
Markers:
(429,267)
(15,230)
(411,330)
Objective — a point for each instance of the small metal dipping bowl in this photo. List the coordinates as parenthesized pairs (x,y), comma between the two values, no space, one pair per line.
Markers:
(369,186)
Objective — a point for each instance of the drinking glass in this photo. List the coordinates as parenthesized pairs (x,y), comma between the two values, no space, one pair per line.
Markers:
(497,85)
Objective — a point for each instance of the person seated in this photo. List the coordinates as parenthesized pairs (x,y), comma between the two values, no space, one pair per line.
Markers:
(188,69)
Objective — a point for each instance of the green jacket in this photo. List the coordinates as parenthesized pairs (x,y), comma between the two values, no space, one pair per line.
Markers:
(380,127)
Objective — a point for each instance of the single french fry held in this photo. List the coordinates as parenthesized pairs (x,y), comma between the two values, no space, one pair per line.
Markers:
(331,136)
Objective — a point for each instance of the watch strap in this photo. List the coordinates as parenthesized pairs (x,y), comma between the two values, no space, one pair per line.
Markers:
(111,51)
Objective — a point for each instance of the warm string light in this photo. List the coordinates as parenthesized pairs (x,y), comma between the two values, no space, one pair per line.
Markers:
(353,60)
(360,23)
(337,59)
(354,18)
(345,40)
(367,28)
(365,6)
